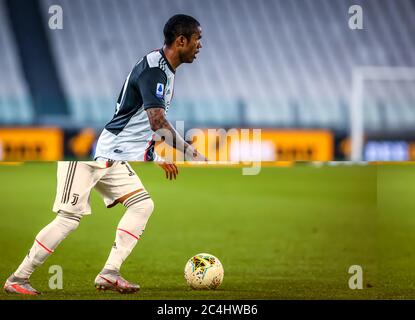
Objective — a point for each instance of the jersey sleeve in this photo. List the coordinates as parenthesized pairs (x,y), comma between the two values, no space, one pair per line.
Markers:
(152,84)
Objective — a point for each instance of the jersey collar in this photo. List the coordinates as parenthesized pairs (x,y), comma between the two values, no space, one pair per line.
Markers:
(167,61)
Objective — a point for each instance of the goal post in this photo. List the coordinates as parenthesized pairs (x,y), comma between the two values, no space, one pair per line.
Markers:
(360,76)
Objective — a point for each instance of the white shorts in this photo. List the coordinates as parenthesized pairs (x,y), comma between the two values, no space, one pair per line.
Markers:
(112,179)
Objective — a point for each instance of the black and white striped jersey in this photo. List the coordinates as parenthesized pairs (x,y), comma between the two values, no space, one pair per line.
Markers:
(128,136)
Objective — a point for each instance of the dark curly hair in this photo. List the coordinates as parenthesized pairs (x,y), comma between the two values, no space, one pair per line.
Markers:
(179,25)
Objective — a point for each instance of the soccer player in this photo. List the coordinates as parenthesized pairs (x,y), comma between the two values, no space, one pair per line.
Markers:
(145,98)
(140,113)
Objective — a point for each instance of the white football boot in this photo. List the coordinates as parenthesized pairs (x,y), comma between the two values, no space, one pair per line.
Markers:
(19,286)
(112,280)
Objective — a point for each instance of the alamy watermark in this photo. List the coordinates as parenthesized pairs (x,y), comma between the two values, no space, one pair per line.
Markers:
(356,280)
(219,146)
(56,280)
(356,18)
(56,17)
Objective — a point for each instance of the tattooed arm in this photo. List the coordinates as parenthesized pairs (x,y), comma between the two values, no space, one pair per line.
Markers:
(159,123)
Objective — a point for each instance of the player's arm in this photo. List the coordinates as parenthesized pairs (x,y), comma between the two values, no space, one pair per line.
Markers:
(159,123)
(152,83)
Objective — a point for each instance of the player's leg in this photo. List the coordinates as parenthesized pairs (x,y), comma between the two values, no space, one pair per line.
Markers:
(74,184)
(131,226)
(46,241)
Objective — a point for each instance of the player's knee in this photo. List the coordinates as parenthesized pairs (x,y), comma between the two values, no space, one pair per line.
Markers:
(69,221)
(144,207)
(149,205)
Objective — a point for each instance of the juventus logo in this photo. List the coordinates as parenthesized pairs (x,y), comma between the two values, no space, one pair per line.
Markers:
(75,199)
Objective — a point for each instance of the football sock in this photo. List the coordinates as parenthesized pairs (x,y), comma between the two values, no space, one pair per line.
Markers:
(47,241)
(130,228)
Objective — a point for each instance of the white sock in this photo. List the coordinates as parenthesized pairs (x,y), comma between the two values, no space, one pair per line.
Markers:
(129,229)
(46,242)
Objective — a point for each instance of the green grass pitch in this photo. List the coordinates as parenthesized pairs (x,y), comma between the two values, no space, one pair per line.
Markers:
(395,236)
(287,233)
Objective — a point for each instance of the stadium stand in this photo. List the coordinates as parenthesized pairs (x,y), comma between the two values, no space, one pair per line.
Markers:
(264,63)
(15,104)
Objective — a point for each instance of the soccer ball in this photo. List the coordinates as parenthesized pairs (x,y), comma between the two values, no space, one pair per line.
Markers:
(203,271)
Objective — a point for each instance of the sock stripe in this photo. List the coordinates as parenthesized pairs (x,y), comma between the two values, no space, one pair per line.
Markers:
(128,233)
(43,246)
(73,218)
(132,200)
(71,182)
(139,200)
(139,194)
(135,197)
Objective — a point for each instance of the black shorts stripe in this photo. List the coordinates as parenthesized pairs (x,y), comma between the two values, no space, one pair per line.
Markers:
(141,194)
(68,178)
(68,175)
(70,182)
(139,200)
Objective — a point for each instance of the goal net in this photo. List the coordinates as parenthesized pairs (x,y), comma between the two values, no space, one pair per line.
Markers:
(382,107)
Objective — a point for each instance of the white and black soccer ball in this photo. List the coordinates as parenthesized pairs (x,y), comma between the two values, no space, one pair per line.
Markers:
(203,271)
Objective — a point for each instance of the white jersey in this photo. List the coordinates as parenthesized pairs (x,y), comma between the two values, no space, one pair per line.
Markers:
(128,136)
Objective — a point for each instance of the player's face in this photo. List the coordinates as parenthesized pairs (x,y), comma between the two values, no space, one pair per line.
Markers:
(192,47)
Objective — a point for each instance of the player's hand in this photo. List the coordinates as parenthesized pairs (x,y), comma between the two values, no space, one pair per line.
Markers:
(170,169)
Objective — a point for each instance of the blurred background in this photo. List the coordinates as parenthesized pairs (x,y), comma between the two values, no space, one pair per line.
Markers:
(324,79)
